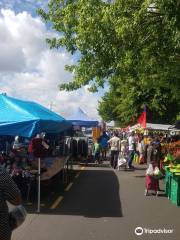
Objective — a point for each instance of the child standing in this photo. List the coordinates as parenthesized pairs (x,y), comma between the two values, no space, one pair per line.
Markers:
(97,150)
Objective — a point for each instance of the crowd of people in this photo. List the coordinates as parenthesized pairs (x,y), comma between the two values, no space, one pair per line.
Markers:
(123,148)
(129,145)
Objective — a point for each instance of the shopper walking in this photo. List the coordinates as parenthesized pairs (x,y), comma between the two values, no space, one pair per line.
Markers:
(104,144)
(97,151)
(141,149)
(150,152)
(115,148)
(8,192)
(132,149)
(156,151)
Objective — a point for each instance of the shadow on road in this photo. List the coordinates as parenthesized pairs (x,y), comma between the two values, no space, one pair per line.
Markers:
(104,164)
(95,194)
(141,168)
(140,176)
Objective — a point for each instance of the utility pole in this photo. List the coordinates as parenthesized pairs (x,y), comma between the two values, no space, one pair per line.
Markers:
(51,105)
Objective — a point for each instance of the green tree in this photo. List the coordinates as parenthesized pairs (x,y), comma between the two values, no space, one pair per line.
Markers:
(133,45)
(125,104)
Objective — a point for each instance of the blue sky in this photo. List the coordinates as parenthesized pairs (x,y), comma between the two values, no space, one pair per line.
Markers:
(24,5)
(29,69)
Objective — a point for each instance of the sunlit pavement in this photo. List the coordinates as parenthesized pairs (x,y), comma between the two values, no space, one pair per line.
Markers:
(103,204)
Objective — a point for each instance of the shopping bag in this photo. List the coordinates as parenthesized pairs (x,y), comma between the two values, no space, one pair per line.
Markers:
(157,173)
(121,160)
(150,170)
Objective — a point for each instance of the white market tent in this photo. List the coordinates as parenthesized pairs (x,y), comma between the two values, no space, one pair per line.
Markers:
(157,127)
(80,118)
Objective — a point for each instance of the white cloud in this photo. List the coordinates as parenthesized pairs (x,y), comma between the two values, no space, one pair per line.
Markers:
(11,54)
(25,34)
(29,70)
(52,65)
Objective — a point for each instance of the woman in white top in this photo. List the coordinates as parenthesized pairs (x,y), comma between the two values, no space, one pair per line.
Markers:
(115,148)
(141,149)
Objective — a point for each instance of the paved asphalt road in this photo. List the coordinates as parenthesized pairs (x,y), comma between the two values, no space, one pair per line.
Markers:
(102,204)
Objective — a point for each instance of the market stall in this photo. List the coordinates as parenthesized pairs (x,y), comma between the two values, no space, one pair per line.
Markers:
(169,136)
(165,133)
(26,119)
(171,166)
(80,120)
(156,128)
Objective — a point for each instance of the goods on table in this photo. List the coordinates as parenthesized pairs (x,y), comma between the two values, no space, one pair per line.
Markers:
(175,190)
(172,183)
(172,173)
(172,148)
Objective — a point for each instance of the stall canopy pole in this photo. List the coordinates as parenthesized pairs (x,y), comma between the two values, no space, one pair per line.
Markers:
(39,185)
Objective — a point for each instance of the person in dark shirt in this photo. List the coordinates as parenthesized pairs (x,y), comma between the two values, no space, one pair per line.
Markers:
(156,154)
(8,192)
(149,152)
(104,144)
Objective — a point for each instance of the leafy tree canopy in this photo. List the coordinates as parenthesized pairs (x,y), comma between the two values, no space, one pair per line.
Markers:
(134,45)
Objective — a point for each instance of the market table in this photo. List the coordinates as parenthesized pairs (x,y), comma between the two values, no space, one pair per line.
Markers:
(172,182)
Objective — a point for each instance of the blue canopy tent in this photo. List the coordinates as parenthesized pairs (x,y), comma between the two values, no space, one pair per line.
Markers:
(80,118)
(25,118)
